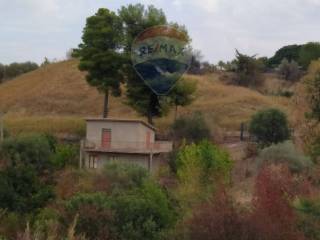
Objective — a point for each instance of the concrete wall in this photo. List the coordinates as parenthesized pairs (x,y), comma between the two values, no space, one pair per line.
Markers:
(142,160)
(123,134)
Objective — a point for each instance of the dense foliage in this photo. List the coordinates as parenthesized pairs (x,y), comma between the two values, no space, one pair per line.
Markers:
(291,53)
(200,168)
(190,128)
(22,191)
(15,69)
(271,217)
(269,126)
(137,208)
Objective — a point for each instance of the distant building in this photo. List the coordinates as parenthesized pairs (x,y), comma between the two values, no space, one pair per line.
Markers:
(124,141)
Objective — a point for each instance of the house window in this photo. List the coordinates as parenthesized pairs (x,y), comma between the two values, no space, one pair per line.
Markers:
(93,161)
(106,138)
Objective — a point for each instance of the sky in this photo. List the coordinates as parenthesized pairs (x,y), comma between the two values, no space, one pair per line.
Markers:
(33,29)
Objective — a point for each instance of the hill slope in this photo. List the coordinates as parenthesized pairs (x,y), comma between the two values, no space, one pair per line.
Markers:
(58,93)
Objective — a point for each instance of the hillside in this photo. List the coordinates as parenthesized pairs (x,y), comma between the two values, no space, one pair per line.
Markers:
(56,98)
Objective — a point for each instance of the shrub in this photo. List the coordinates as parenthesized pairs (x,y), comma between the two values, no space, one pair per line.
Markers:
(284,153)
(65,154)
(142,213)
(213,161)
(199,168)
(95,218)
(309,217)
(21,190)
(46,224)
(289,70)
(125,176)
(273,216)
(269,126)
(191,128)
(218,219)
(248,70)
(28,150)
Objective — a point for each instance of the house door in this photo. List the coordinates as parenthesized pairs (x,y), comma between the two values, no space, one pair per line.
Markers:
(106,138)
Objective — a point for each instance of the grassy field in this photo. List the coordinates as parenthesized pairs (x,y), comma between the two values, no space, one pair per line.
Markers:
(56,99)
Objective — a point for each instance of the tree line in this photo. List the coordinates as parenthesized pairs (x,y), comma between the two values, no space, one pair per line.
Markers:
(15,69)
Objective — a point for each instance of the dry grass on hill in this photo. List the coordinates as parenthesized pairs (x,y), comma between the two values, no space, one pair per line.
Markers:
(228,105)
(56,98)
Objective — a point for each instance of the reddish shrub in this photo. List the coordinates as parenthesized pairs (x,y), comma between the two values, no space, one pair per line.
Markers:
(273,216)
(218,220)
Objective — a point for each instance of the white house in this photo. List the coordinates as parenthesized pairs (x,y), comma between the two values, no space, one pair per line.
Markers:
(122,140)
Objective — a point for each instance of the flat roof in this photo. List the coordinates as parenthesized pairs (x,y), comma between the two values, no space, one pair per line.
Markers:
(121,120)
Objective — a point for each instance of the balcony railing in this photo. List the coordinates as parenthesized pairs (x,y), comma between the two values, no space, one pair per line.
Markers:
(126,146)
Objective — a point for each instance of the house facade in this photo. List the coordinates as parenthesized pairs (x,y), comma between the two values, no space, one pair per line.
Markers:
(123,141)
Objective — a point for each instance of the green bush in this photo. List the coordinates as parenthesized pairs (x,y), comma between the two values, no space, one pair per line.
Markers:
(95,220)
(200,168)
(284,153)
(45,224)
(65,154)
(142,213)
(191,128)
(314,149)
(28,150)
(22,191)
(309,218)
(125,176)
(269,126)
(212,161)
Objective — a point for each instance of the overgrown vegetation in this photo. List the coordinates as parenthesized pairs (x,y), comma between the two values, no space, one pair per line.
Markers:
(190,128)
(43,195)
(286,154)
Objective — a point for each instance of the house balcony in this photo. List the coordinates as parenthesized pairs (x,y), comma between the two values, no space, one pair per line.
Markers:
(129,147)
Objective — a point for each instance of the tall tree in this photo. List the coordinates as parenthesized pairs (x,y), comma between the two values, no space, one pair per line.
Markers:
(248,70)
(100,53)
(137,18)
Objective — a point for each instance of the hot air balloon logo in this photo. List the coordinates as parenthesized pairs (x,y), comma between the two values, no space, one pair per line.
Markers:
(160,56)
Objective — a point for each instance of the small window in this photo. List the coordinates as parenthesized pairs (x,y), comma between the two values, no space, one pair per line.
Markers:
(93,161)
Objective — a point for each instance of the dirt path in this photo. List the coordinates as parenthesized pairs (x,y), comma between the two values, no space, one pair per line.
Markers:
(243,171)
